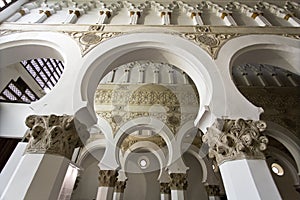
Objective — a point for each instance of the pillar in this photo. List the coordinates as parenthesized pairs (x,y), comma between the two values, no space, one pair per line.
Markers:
(213,192)
(178,185)
(237,146)
(119,190)
(107,182)
(165,191)
(45,170)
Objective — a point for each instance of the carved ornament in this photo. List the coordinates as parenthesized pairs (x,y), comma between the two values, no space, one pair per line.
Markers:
(210,42)
(120,186)
(54,134)
(131,140)
(165,188)
(213,190)
(107,178)
(89,39)
(236,139)
(178,181)
(126,102)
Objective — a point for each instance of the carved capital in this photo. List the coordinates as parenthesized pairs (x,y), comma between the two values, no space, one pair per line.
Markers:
(212,190)
(178,181)
(120,186)
(54,134)
(107,178)
(236,139)
(165,188)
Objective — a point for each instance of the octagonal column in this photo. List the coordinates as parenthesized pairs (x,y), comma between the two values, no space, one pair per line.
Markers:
(178,185)
(45,170)
(119,190)
(165,191)
(237,146)
(107,182)
(213,192)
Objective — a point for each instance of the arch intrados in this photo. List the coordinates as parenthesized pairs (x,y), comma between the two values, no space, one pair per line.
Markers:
(185,55)
(287,139)
(154,124)
(90,148)
(149,147)
(26,49)
(279,55)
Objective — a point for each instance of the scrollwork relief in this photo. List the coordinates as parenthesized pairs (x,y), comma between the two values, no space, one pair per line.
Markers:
(54,134)
(236,139)
(107,178)
(210,42)
(90,39)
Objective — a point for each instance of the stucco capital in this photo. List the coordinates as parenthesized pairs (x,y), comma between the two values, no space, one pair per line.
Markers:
(236,139)
(54,134)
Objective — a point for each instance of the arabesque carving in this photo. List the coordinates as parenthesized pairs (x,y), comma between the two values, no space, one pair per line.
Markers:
(213,190)
(178,181)
(120,186)
(165,188)
(54,134)
(131,140)
(236,139)
(210,42)
(89,39)
(107,178)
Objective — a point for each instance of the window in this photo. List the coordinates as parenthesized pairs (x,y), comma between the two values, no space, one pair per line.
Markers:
(18,92)
(45,71)
(5,3)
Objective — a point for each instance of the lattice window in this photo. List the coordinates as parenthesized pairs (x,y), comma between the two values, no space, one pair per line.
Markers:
(45,71)
(18,92)
(5,3)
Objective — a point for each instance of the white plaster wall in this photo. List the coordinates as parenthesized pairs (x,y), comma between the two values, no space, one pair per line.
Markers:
(88,185)
(195,189)
(12,119)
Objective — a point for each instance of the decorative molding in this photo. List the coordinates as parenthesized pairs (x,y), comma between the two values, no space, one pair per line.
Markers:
(131,140)
(212,190)
(178,181)
(236,139)
(107,178)
(120,186)
(209,38)
(210,42)
(54,134)
(118,104)
(88,40)
(165,188)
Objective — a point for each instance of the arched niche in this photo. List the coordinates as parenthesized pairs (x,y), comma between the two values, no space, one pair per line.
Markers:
(143,180)
(185,55)
(16,47)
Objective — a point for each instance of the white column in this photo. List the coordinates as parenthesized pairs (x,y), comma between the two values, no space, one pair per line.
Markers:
(213,192)
(165,191)
(251,177)
(12,163)
(119,190)
(34,178)
(227,18)
(260,19)
(197,19)
(244,171)
(165,16)
(104,15)
(107,181)
(18,15)
(39,173)
(178,186)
